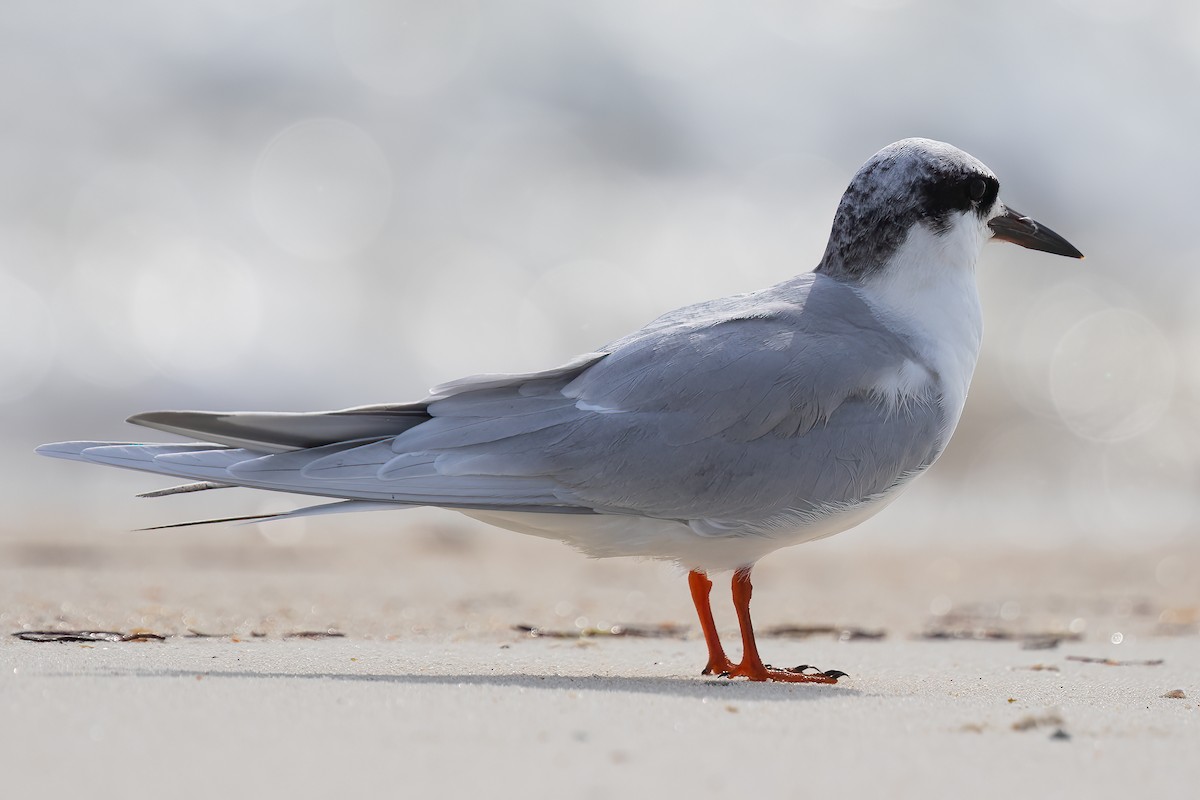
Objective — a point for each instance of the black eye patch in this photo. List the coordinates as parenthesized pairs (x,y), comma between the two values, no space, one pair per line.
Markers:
(946,194)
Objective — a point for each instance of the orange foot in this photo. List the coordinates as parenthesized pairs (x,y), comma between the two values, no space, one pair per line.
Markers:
(751,666)
(801,674)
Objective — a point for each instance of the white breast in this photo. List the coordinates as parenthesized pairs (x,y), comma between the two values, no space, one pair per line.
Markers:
(928,291)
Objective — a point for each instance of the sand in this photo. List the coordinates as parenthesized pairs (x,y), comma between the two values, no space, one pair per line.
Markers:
(428,688)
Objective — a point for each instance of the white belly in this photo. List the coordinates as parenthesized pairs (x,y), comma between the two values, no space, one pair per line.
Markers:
(689,545)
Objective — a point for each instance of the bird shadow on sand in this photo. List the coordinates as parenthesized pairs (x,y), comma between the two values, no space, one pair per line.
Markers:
(697,688)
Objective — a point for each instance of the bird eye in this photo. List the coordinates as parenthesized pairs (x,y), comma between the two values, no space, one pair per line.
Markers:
(976,189)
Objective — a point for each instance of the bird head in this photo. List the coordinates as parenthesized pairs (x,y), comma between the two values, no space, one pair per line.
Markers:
(924,201)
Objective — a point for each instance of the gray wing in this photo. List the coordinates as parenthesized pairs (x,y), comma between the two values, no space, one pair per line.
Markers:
(735,410)
(281,432)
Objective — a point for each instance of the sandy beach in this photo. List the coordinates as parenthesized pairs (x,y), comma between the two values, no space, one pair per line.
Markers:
(355,663)
(296,205)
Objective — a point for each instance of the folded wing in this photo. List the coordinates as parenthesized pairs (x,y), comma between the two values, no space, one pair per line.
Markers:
(730,412)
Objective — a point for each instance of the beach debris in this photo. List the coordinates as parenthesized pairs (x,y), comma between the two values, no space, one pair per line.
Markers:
(325,634)
(1112,662)
(1029,722)
(1176,694)
(143,635)
(68,636)
(1060,735)
(233,637)
(89,636)
(664,631)
(1029,641)
(1038,642)
(1041,667)
(839,632)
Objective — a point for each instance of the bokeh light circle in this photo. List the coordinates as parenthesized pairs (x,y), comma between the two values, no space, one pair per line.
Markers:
(322,189)
(1112,375)
(196,311)
(98,332)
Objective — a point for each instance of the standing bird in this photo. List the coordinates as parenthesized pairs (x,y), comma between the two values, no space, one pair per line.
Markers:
(718,433)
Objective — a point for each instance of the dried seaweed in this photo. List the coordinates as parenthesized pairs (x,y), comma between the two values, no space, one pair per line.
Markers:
(88,636)
(329,634)
(1112,662)
(1030,722)
(1041,640)
(139,635)
(68,636)
(664,631)
(841,633)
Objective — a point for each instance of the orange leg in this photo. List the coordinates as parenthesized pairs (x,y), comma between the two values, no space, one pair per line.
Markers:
(752,666)
(701,586)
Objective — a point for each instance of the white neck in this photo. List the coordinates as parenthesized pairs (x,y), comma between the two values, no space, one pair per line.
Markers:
(927,290)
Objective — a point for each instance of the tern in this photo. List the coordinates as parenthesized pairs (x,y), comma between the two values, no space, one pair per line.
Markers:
(718,433)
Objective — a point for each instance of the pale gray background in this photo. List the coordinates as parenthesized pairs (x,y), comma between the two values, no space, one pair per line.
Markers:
(303,205)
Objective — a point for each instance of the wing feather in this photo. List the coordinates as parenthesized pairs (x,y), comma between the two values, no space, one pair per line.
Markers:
(732,413)
(278,432)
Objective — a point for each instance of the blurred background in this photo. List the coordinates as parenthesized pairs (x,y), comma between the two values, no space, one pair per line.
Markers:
(299,205)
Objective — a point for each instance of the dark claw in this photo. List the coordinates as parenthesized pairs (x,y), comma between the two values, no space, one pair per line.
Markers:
(835,674)
(802,667)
